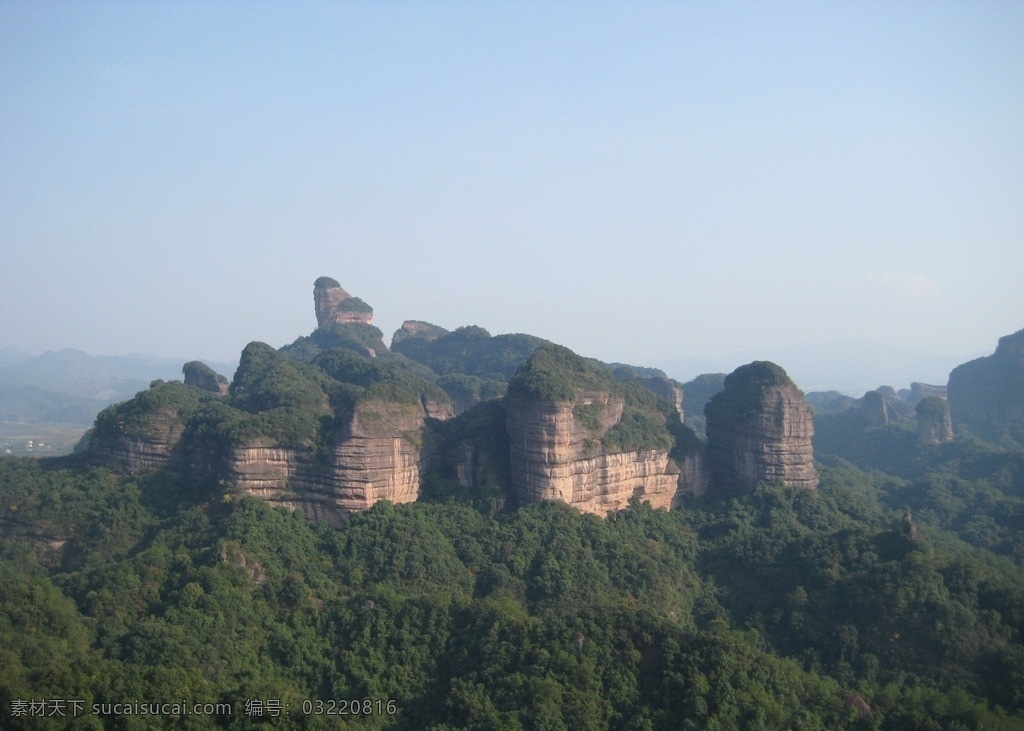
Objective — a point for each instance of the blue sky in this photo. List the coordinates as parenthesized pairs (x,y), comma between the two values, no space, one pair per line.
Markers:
(642,182)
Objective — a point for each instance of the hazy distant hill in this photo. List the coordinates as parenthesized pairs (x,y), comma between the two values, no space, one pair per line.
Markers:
(33,405)
(9,355)
(849,367)
(102,377)
(59,393)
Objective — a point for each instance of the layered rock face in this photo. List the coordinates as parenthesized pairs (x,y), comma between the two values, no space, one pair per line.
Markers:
(145,445)
(379,457)
(760,429)
(328,438)
(934,425)
(556,456)
(334,305)
(142,435)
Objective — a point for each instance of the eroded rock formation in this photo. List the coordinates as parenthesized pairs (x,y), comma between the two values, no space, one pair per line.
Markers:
(140,444)
(665,388)
(334,305)
(556,457)
(934,425)
(141,435)
(920,390)
(760,429)
(562,447)
(379,456)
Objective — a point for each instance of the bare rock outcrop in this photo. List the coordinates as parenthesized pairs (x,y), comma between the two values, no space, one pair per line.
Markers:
(760,429)
(144,447)
(562,445)
(419,330)
(334,305)
(142,435)
(934,425)
(556,457)
(377,457)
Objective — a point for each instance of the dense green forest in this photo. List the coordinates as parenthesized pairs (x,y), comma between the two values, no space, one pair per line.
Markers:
(892,597)
(880,601)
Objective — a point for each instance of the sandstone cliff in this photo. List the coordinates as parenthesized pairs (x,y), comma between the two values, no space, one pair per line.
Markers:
(141,435)
(147,445)
(665,388)
(343,321)
(327,437)
(934,425)
(920,391)
(554,456)
(760,429)
(377,456)
(572,438)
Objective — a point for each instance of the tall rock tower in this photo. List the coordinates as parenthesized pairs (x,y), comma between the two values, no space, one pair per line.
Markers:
(934,425)
(760,429)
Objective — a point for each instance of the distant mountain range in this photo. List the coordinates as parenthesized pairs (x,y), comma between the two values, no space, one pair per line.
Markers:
(849,367)
(70,386)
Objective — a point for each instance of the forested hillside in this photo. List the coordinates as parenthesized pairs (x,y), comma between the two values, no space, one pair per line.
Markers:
(785,608)
(183,570)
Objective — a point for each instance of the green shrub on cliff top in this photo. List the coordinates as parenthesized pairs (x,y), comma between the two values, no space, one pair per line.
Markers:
(383,378)
(354,304)
(743,390)
(358,336)
(161,396)
(469,350)
(265,379)
(932,406)
(555,373)
(288,396)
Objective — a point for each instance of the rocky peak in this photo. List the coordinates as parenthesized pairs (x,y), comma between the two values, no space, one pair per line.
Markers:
(760,429)
(334,305)
(417,329)
(874,408)
(934,425)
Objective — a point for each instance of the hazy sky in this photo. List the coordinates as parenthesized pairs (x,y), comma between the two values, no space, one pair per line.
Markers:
(637,181)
